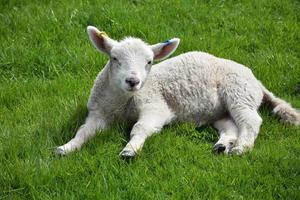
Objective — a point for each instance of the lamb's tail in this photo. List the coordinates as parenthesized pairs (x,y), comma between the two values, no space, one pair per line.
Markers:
(281,108)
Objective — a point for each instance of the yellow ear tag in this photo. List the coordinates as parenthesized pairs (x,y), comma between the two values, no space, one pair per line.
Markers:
(102,33)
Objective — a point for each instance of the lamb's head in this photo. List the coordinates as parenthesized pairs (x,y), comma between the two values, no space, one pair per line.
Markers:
(130,59)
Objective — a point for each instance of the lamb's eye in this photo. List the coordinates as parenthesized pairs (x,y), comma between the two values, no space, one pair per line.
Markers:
(115,59)
(149,62)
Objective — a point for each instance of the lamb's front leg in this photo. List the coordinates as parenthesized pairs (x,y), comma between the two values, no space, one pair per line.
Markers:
(93,123)
(148,124)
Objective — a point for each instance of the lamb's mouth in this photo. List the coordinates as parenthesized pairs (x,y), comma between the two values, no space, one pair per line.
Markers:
(132,89)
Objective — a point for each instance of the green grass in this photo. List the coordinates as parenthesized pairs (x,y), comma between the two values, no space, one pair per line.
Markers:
(47,67)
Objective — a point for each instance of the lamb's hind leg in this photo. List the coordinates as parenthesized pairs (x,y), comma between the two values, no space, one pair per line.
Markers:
(228,135)
(248,122)
(242,95)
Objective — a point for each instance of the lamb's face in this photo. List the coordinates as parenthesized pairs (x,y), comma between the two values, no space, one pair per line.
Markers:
(130,64)
(131,59)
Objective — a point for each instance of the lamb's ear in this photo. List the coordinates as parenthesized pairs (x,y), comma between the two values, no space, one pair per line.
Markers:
(100,40)
(165,49)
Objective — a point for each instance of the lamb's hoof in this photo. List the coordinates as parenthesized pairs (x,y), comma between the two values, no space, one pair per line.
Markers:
(60,151)
(127,154)
(219,148)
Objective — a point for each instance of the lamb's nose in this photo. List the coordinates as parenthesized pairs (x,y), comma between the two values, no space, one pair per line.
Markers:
(132,81)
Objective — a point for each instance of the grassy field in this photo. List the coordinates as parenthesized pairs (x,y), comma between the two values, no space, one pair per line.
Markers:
(47,67)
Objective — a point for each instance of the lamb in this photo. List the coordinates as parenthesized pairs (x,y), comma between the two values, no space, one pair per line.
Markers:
(193,87)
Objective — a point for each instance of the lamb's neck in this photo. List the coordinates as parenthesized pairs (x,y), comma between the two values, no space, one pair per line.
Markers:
(116,96)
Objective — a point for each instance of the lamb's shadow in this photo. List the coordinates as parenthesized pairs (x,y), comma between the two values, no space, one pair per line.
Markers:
(202,134)
(206,134)
(71,126)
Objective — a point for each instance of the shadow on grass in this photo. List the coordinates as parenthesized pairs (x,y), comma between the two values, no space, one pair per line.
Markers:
(69,129)
(120,132)
(71,126)
(206,133)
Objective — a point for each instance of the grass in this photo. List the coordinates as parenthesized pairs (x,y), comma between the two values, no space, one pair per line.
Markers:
(47,67)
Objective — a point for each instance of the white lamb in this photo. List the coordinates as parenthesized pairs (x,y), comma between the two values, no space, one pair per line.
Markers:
(193,87)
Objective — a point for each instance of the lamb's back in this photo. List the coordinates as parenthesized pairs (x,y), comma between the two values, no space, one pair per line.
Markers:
(189,83)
